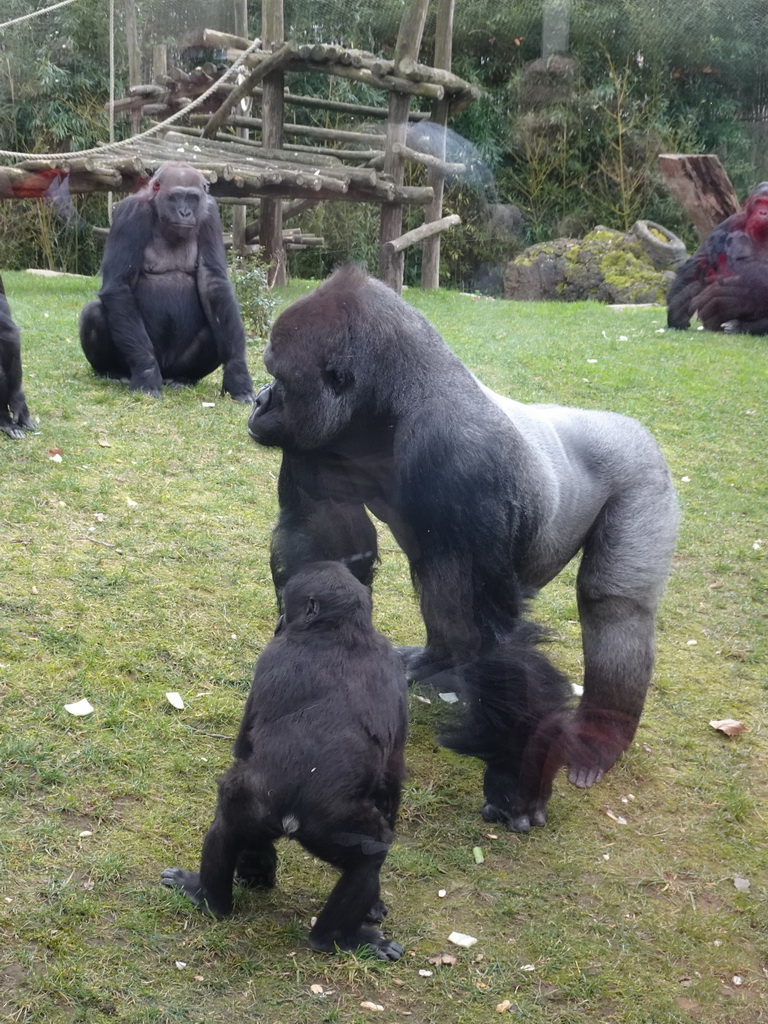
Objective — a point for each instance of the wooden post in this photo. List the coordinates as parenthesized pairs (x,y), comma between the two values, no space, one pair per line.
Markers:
(159,61)
(701,186)
(391,225)
(239,212)
(430,259)
(270,213)
(134,57)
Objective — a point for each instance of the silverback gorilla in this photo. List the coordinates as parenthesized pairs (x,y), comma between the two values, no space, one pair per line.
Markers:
(726,280)
(166,312)
(319,758)
(489,499)
(14,414)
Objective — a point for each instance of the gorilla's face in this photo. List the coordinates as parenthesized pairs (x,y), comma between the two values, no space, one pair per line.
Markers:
(313,397)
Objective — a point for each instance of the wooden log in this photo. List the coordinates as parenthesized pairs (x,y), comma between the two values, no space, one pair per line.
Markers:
(224,40)
(391,263)
(430,254)
(701,186)
(430,161)
(255,147)
(311,132)
(270,212)
(275,62)
(411,69)
(422,232)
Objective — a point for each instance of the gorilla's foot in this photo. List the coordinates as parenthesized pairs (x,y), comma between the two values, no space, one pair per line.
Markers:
(595,740)
(422,666)
(517,796)
(517,820)
(364,937)
(190,885)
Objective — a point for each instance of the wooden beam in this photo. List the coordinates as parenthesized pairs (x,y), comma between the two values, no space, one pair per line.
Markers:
(421,233)
(275,62)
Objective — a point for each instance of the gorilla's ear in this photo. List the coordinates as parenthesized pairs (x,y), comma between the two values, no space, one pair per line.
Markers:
(337,380)
(312,610)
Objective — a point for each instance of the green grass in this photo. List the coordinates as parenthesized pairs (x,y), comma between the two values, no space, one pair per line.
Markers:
(142,567)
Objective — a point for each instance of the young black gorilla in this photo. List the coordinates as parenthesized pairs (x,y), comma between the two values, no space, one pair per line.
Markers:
(319,758)
(166,312)
(489,499)
(14,414)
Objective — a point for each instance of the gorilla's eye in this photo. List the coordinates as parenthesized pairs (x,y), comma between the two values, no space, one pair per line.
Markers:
(338,380)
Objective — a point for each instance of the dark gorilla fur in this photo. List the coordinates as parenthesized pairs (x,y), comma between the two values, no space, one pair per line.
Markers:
(489,499)
(319,758)
(725,282)
(15,419)
(166,312)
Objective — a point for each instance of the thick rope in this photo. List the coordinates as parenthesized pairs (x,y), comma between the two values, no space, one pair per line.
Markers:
(34,14)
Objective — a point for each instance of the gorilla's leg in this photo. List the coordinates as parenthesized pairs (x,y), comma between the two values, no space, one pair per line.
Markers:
(224,851)
(188,360)
(97,344)
(257,866)
(622,574)
(356,842)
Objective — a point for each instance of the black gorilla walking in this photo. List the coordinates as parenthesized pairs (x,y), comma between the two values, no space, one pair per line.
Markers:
(166,312)
(319,758)
(489,499)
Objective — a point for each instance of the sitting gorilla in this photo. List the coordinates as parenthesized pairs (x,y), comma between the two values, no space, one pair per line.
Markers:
(166,312)
(489,499)
(726,280)
(14,414)
(319,758)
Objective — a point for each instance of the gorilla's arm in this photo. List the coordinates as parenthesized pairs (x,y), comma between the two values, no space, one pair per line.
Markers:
(739,304)
(315,526)
(127,241)
(218,301)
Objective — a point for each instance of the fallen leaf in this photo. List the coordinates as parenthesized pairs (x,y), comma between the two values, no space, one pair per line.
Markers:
(477,853)
(423,973)
(443,960)
(729,726)
(615,817)
(316,990)
(175,699)
(742,884)
(528,967)
(131,503)
(460,939)
(449,698)
(84,834)
(503,1007)
(424,700)
(368,1005)
(79,708)
(104,443)
(181,964)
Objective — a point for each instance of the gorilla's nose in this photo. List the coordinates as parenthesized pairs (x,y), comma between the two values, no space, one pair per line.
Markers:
(262,401)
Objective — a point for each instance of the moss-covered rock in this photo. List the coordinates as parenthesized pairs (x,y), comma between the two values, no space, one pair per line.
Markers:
(605,265)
